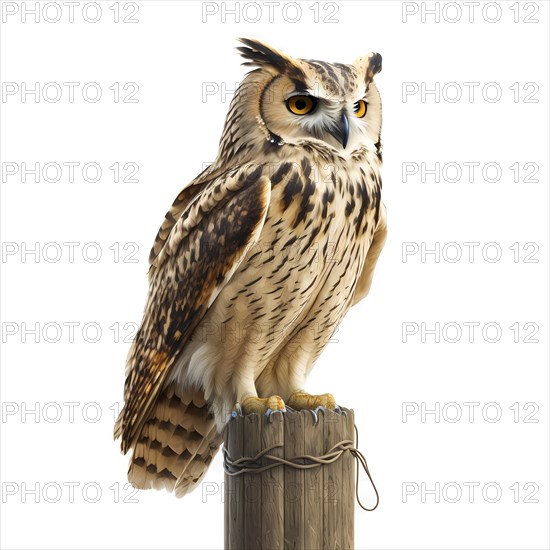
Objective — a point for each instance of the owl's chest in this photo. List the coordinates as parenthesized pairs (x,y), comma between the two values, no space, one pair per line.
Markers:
(318,204)
(317,227)
(308,257)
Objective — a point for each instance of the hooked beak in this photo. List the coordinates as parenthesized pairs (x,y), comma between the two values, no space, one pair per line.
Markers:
(341,131)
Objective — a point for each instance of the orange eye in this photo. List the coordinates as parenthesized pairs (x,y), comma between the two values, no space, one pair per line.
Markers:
(360,108)
(301,104)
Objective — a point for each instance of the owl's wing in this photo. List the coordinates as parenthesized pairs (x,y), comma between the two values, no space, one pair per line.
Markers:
(182,203)
(201,253)
(378,240)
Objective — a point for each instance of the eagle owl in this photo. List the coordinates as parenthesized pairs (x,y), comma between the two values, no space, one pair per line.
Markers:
(256,262)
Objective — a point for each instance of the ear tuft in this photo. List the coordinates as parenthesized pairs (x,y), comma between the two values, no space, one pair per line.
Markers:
(259,54)
(369,65)
(375,64)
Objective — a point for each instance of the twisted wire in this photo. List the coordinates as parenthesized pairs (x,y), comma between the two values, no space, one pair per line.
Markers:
(265,461)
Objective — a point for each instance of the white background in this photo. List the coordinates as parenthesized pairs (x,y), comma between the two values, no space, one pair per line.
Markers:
(174,52)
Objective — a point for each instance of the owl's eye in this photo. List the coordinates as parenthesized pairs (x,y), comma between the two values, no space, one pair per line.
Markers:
(301,104)
(360,108)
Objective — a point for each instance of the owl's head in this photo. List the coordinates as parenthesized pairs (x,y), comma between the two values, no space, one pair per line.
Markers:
(291,100)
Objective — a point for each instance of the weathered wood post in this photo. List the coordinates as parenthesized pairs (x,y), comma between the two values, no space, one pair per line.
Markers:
(290,481)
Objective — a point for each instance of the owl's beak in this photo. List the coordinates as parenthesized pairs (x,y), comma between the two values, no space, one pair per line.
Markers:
(341,131)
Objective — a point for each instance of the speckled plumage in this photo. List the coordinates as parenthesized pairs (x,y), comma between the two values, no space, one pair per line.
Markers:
(256,263)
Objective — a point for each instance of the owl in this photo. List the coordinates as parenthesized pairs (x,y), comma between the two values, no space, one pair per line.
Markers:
(256,263)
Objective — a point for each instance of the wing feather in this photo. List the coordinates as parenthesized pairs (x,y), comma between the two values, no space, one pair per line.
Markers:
(378,240)
(180,204)
(204,248)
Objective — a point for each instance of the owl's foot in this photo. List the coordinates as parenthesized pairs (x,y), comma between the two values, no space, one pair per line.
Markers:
(301,400)
(266,405)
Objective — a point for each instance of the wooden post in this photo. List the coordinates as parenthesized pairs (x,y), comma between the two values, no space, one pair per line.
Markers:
(285,507)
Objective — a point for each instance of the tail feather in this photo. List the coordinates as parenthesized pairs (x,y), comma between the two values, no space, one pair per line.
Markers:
(176,444)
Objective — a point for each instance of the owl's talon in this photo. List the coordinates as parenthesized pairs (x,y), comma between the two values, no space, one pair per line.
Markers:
(270,413)
(237,411)
(315,417)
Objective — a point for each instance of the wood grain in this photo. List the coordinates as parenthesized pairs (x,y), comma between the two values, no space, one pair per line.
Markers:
(332,483)
(273,502)
(313,483)
(294,482)
(235,487)
(285,507)
(348,486)
(252,506)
